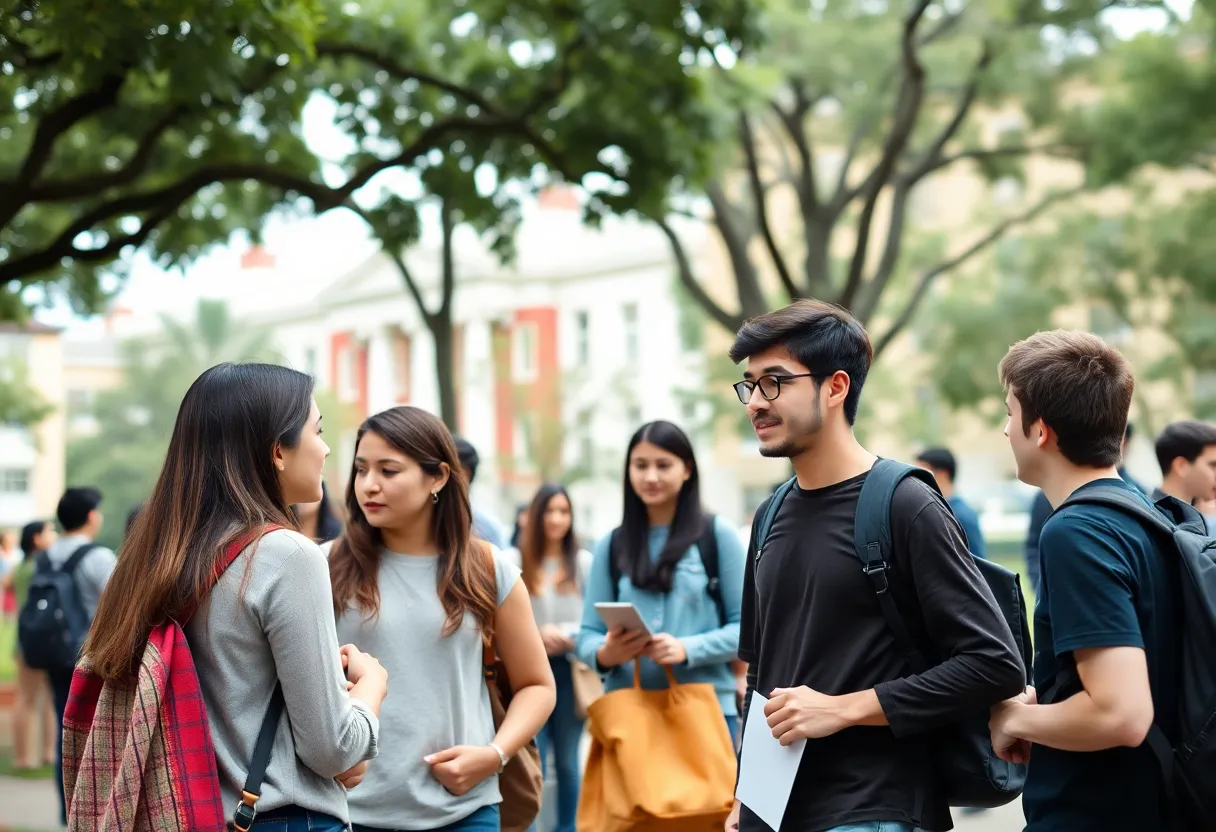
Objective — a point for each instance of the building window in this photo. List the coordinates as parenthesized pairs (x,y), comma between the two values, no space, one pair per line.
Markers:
(348,372)
(310,361)
(14,481)
(582,327)
(523,352)
(630,314)
(633,415)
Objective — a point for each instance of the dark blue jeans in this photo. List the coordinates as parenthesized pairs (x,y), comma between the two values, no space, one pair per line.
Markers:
(294,819)
(484,819)
(61,686)
(561,736)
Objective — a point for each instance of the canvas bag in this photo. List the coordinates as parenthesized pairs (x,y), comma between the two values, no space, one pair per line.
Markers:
(660,760)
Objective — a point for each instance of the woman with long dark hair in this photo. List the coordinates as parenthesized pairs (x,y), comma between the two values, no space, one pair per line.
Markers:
(662,573)
(555,570)
(319,521)
(412,586)
(246,445)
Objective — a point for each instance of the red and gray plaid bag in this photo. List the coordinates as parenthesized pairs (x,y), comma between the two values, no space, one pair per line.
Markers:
(137,754)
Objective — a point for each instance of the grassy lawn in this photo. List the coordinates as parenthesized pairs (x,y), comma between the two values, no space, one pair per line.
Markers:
(7,770)
(8,638)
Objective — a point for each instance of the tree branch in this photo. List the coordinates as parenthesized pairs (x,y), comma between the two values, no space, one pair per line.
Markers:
(751,299)
(173,196)
(981,154)
(55,123)
(748,140)
(395,256)
(911,94)
(727,321)
(56,190)
(447,222)
(929,275)
(961,109)
(867,302)
(399,70)
(865,124)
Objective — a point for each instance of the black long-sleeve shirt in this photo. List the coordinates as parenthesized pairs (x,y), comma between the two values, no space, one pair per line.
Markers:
(810,617)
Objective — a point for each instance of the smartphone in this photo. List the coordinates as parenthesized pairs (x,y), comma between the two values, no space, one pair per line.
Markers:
(623,615)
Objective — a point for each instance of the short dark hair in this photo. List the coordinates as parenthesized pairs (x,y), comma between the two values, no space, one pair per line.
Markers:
(822,336)
(939,459)
(1185,439)
(1080,386)
(468,457)
(75,506)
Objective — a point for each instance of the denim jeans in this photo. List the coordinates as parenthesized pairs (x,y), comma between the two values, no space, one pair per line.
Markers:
(293,819)
(874,826)
(561,736)
(484,819)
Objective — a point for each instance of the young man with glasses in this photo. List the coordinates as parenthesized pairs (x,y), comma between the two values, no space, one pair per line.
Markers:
(812,629)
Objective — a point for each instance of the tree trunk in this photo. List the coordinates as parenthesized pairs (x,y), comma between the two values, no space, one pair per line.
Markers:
(445,370)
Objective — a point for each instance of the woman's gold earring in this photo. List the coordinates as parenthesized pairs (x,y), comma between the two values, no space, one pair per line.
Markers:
(435,497)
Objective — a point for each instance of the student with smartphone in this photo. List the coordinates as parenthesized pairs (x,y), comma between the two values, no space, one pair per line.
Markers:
(655,562)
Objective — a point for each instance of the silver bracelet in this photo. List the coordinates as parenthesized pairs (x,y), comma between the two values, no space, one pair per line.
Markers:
(502,756)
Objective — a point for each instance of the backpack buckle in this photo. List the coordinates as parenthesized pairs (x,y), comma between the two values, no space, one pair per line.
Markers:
(246,813)
(877,574)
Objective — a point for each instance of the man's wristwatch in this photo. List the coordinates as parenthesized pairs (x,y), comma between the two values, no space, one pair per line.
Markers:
(502,757)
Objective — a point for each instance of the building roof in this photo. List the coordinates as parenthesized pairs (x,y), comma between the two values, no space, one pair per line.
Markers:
(30,327)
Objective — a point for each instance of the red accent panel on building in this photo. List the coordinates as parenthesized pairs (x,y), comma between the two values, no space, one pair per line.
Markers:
(539,394)
(339,344)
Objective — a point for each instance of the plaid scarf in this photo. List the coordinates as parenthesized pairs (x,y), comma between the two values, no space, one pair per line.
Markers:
(137,753)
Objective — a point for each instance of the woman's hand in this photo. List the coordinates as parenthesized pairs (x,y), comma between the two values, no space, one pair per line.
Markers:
(556,642)
(359,665)
(461,768)
(352,776)
(666,650)
(621,647)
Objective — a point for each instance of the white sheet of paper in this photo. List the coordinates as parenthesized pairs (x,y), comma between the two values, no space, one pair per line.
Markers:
(766,767)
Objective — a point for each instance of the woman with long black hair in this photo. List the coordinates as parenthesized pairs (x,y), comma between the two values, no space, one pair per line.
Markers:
(662,573)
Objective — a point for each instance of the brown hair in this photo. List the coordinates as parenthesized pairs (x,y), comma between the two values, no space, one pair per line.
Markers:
(1080,386)
(467,583)
(532,542)
(218,484)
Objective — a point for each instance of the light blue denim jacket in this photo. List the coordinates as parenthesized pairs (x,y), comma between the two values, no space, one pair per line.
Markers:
(687,612)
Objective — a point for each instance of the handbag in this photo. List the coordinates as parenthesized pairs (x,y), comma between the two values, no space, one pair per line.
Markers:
(521,782)
(588,687)
(659,759)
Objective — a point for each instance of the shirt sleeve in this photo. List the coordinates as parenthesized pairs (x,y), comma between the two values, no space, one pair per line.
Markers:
(506,574)
(332,731)
(1091,599)
(593,632)
(94,572)
(721,644)
(981,665)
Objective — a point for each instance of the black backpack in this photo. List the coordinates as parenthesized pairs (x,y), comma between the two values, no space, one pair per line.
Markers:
(1188,768)
(53,622)
(707,545)
(971,773)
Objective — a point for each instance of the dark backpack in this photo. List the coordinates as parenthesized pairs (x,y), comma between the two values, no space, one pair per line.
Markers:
(1188,768)
(53,624)
(707,545)
(972,774)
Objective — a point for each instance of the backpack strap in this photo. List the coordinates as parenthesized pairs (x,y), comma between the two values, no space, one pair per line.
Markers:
(78,555)
(707,545)
(766,518)
(1117,498)
(246,811)
(873,545)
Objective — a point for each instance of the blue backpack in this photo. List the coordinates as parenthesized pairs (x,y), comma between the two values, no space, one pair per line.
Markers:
(53,623)
(971,773)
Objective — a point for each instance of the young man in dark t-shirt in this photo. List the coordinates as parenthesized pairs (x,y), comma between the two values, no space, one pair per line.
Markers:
(812,631)
(1106,599)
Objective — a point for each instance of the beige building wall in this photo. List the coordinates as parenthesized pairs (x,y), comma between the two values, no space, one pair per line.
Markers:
(46,375)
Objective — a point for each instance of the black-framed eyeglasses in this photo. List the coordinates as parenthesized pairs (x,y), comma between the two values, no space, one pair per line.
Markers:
(770,386)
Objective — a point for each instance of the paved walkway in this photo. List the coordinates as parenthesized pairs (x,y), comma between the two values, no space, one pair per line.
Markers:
(28,805)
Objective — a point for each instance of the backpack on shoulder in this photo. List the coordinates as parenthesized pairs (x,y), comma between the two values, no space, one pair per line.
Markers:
(53,623)
(137,753)
(972,775)
(1188,767)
